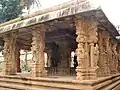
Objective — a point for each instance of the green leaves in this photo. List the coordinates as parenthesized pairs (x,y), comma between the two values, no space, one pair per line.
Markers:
(9,9)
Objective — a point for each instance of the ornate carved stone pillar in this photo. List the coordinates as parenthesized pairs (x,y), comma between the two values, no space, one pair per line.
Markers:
(49,55)
(87,51)
(118,50)
(110,63)
(65,50)
(105,53)
(114,58)
(10,56)
(38,45)
(18,58)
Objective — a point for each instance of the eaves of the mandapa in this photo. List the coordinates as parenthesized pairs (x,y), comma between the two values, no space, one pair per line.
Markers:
(70,8)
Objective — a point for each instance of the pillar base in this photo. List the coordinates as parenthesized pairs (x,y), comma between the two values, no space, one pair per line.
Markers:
(9,70)
(38,72)
(86,73)
(103,72)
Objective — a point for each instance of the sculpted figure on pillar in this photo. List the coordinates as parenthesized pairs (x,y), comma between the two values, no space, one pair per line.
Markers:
(92,39)
(81,52)
(81,39)
(96,56)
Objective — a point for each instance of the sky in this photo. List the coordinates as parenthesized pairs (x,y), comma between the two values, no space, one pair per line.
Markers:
(110,7)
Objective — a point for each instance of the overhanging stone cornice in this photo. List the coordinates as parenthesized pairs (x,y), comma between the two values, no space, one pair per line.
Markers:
(77,8)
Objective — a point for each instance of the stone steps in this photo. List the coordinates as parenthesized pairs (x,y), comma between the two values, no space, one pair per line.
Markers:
(3,88)
(27,83)
(108,83)
(113,84)
(117,87)
(21,84)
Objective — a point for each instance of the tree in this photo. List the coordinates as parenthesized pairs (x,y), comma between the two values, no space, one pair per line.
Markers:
(9,9)
(29,3)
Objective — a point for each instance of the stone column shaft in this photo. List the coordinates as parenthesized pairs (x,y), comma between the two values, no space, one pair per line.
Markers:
(115,58)
(91,54)
(18,59)
(118,50)
(38,45)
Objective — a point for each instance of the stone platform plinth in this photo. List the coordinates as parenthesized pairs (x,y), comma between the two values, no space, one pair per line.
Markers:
(27,83)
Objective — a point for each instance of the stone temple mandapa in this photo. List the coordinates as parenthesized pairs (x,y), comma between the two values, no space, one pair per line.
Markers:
(73,26)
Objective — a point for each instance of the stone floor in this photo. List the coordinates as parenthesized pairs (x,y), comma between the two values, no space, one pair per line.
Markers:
(26,74)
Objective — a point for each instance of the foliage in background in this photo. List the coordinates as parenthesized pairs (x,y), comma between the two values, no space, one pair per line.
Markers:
(29,3)
(9,9)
